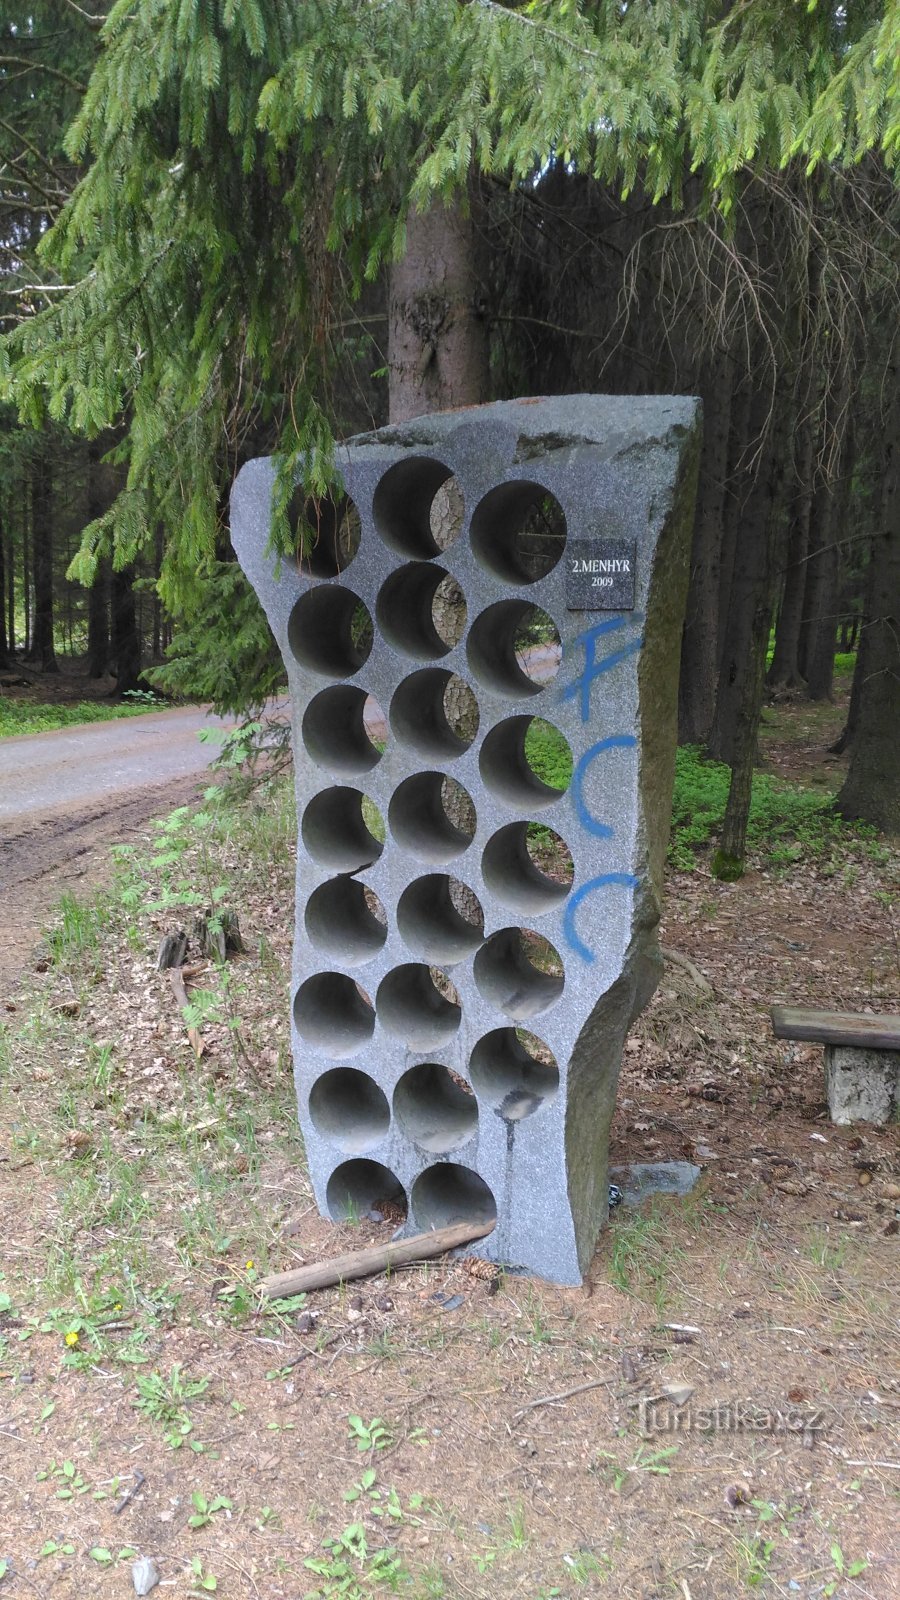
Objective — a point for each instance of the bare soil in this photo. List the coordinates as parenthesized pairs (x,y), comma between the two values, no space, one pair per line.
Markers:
(713,1414)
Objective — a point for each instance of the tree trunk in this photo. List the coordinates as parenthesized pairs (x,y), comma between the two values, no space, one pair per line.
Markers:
(4,643)
(438,359)
(10,594)
(699,647)
(42,653)
(728,861)
(737,488)
(871,790)
(437,339)
(98,498)
(784,672)
(126,644)
(749,580)
(157,640)
(818,628)
(98,648)
(26,569)
(860,671)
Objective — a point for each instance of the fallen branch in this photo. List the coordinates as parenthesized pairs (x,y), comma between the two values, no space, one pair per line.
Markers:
(375,1258)
(676,959)
(564,1394)
(176,979)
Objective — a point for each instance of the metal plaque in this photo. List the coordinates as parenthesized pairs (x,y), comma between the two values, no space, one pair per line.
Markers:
(600,574)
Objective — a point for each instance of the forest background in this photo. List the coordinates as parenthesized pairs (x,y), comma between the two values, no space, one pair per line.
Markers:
(233,227)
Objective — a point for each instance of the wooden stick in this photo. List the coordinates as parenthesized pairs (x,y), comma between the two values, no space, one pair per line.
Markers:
(176,979)
(375,1258)
(565,1394)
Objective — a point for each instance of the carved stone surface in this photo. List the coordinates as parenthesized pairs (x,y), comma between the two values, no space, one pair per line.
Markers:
(862,1085)
(469,954)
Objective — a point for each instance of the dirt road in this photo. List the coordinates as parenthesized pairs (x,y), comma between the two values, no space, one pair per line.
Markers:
(66,796)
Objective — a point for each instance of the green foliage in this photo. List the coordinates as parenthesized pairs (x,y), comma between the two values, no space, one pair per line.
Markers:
(548,754)
(786,822)
(77,930)
(166,1399)
(223,653)
(372,1435)
(249,167)
(26,716)
(205,1510)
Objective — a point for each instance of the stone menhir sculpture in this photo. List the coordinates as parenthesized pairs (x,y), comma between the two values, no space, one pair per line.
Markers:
(482,645)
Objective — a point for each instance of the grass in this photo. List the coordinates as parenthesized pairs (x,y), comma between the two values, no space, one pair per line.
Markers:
(787,822)
(30,716)
(77,930)
(548,754)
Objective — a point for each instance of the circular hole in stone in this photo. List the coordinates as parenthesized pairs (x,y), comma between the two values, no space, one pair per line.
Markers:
(514,1072)
(432,816)
(342,829)
(526,762)
(418,1006)
(344,730)
(421,610)
(418,507)
(346,919)
(348,1108)
(448,1193)
(330,631)
(528,867)
(519,972)
(435,1108)
(440,919)
(519,532)
(363,1188)
(326,531)
(514,649)
(333,1014)
(436,713)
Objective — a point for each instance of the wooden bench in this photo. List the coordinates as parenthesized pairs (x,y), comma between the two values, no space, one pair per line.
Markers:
(862,1059)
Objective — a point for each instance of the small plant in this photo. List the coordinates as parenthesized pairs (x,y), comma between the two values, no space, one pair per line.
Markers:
(826,1252)
(53,1548)
(205,1510)
(165,1400)
(655,1462)
(754,1558)
(200,1578)
(77,931)
(641,1257)
(349,1565)
(374,1435)
(584,1565)
(538,1332)
(105,1557)
(71,1483)
(843,1569)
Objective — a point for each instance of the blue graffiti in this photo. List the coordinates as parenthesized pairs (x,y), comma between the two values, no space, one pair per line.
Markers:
(625,880)
(581,687)
(593,668)
(590,823)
